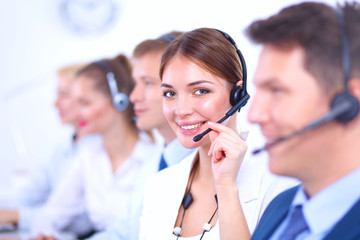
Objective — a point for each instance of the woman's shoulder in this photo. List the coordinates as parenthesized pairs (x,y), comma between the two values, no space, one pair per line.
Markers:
(146,150)
(90,152)
(89,142)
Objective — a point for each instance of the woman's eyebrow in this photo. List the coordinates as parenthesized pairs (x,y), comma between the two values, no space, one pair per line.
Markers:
(166,85)
(199,82)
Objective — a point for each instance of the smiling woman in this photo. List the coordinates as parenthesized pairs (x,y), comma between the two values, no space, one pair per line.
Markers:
(216,189)
(208,101)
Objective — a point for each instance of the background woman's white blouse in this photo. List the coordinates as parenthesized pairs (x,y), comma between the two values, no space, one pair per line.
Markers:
(92,187)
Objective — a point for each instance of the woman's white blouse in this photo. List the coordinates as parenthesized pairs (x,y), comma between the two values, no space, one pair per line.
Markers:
(165,191)
(92,187)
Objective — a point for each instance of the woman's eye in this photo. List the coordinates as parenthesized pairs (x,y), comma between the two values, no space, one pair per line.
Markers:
(201,91)
(168,94)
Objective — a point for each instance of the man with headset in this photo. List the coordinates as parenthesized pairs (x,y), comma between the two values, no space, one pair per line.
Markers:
(308,92)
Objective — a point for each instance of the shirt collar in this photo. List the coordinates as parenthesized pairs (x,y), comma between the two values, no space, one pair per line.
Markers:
(174,152)
(329,205)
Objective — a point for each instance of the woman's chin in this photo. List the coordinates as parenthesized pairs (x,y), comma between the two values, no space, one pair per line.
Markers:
(188,142)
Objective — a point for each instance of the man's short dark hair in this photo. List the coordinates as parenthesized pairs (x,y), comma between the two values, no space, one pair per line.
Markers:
(314,27)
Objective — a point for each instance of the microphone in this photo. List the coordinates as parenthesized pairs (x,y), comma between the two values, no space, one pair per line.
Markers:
(228,114)
(340,109)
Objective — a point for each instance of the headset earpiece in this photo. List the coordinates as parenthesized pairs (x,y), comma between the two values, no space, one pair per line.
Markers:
(120,100)
(345,99)
(350,105)
(236,94)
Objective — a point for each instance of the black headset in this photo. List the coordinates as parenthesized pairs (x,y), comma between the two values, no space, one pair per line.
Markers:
(238,92)
(345,100)
(120,100)
(238,95)
(344,106)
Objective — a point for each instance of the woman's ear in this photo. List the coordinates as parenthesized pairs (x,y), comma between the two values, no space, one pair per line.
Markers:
(240,83)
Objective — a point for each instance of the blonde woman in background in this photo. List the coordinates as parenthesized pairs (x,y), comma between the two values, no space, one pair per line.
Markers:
(44,178)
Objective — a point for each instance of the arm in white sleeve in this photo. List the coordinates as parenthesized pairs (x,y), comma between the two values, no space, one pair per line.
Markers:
(65,203)
(36,189)
(32,195)
(111,233)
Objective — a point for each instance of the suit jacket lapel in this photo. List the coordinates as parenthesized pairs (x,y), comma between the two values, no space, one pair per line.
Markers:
(274,214)
(348,227)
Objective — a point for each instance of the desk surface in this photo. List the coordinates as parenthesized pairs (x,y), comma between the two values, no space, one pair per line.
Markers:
(25,235)
(14,234)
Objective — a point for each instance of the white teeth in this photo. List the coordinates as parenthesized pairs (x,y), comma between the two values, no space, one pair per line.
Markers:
(188,127)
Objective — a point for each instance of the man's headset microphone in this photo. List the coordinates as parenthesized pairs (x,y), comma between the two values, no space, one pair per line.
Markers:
(344,106)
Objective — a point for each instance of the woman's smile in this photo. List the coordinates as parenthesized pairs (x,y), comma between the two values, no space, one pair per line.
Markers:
(190,128)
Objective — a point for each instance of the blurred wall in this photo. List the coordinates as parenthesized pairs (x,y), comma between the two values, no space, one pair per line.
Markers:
(37,38)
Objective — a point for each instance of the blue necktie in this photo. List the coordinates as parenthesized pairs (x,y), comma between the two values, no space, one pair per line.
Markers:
(162,163)
(295,226)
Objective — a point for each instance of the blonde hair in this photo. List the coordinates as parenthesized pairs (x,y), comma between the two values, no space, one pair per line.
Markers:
(71,70)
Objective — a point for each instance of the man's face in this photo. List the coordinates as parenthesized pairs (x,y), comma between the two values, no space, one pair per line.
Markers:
(147,95)
(287,98)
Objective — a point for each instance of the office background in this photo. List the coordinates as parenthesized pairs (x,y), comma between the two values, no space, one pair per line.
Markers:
(39,36)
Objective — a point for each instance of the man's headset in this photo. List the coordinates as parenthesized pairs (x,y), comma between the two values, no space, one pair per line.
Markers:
(120,100)
(167,37)
(344,106)
(238,95)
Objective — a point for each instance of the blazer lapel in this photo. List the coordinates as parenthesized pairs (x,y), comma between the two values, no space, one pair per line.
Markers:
(274,214)
(348,227)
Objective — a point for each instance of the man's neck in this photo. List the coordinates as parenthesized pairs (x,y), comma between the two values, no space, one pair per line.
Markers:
(335,166)
(167,133)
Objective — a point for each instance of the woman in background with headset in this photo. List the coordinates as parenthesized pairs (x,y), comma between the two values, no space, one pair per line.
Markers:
(102,180)
(214,193)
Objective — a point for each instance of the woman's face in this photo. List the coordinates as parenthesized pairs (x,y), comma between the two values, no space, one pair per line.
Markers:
(64,100)
(95,112)
(192,97)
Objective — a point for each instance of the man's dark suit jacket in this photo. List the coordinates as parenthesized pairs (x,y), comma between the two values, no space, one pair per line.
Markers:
(345,229)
